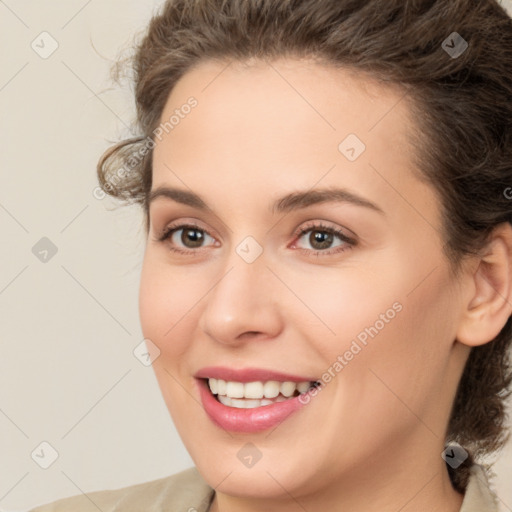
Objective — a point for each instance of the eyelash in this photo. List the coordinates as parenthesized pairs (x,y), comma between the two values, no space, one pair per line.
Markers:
(349,242)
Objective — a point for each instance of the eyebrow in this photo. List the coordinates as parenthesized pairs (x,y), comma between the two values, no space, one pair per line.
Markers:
(290,202)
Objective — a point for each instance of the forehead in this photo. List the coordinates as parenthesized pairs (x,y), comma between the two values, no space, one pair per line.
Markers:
(288,123)
(278,93)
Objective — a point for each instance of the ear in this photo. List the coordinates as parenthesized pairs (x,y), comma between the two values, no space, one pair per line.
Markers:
(488,301)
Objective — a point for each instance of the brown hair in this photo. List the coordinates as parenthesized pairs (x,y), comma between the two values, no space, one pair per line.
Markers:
(463,135)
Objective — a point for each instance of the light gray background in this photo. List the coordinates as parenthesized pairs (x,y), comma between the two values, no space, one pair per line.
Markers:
(69,325)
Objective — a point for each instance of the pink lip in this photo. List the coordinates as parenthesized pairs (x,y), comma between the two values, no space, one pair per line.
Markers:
(248,375)
(247,420)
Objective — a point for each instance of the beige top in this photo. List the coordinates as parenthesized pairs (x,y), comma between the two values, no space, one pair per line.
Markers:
(188,492)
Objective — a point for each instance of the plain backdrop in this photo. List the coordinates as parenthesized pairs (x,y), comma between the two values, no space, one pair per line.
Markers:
(73,396)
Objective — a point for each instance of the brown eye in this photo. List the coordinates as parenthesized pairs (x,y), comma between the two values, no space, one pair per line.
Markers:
(185,238)
(323,238)
(192,235)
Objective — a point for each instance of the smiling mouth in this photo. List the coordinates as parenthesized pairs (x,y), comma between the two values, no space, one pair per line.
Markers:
(248,395)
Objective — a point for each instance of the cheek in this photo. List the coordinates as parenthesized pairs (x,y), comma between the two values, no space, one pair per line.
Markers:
(390,378)
(345,305)
(390,323)
(403,368)
(166,300)
(166,305)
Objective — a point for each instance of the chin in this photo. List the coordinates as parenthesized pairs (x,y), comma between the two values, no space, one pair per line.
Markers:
(248,482)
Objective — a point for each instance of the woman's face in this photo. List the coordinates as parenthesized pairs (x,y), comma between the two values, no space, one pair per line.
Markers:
(363,301)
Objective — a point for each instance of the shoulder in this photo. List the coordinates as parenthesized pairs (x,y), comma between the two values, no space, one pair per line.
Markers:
(479,496)
(182,491)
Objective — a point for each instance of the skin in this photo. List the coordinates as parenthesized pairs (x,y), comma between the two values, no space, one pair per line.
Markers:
(372,438)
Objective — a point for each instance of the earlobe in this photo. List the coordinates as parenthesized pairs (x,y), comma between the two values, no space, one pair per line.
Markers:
(489,306)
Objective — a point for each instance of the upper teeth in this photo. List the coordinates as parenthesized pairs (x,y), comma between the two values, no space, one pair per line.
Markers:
(257,389)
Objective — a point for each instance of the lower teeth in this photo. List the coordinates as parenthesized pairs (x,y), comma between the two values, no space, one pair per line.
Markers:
(246,403)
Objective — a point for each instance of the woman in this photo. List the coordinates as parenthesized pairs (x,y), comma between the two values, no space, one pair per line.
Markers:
(326,290)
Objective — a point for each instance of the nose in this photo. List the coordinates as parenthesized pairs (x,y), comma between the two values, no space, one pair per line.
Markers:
(243,304)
